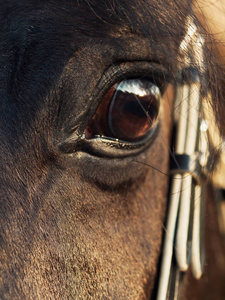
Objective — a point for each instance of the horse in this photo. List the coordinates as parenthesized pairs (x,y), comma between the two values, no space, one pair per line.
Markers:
(84,178)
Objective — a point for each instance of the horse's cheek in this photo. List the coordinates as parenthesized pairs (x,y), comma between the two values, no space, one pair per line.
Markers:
(94,242)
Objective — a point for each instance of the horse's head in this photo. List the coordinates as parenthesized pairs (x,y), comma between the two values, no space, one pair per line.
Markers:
(84,170)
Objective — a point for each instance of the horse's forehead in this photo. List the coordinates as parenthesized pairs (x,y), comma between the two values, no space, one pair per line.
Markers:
(50,46)
(93,19)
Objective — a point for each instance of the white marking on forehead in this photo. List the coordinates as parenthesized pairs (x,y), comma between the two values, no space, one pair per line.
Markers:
(192,47)
(189,36)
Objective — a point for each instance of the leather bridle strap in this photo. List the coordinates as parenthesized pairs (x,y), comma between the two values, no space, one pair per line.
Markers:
(184,240)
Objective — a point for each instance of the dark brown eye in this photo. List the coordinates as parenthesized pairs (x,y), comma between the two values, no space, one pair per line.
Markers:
(128,111)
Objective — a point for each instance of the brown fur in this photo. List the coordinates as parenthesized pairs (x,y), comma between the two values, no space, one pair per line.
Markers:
(76,226)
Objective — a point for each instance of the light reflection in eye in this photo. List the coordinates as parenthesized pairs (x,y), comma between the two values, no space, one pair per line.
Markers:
(128,111)
(138,87)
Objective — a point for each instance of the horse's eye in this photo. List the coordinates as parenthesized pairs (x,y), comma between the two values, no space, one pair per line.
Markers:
(128,111)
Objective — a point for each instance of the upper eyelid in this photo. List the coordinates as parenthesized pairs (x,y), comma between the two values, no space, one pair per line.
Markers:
(125,70)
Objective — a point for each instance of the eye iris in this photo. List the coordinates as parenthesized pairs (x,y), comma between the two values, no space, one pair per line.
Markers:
(127,112)
(134,109)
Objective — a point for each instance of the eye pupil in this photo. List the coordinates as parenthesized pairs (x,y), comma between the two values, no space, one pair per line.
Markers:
(128,111)
(134,108)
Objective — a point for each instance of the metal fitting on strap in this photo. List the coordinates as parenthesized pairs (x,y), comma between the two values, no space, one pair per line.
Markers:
(186,164)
